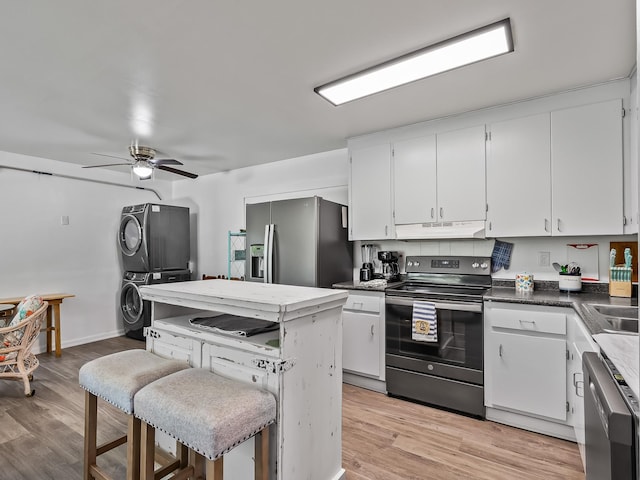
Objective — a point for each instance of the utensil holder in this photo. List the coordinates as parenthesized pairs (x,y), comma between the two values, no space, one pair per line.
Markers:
(568,282)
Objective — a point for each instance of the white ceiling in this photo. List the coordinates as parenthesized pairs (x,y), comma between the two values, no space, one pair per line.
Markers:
(224,84)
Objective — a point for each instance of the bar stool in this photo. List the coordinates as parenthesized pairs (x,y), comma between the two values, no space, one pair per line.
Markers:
(209,414)
(116,378)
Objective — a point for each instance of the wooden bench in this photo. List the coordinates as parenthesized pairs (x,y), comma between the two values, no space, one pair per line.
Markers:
(53,314)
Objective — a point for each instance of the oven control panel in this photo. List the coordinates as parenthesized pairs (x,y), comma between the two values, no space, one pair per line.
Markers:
(462,265)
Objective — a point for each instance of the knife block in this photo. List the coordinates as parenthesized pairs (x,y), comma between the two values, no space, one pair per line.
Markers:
(620,287)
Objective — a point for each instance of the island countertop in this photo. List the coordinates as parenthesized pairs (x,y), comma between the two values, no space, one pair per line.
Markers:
(276,303)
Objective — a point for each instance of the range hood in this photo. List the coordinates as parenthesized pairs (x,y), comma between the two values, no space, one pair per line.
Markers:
(435,230)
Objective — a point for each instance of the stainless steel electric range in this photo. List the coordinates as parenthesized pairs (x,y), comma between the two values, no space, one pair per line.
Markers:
(446,371)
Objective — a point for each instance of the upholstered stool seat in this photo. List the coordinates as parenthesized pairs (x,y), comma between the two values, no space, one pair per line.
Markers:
(208,413)
(116,378)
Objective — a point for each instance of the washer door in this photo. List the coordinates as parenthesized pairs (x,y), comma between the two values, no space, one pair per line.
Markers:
(132,305)
(130,236)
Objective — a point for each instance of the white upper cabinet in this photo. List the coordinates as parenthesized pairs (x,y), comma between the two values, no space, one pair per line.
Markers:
(370,193)
(414,172)
(557,173)
(461,174)
(518,177)
(440,178)
(586,169)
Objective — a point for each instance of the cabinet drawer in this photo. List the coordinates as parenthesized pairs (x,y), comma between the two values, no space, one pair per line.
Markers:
(167,345)
(363,303)
(530,320)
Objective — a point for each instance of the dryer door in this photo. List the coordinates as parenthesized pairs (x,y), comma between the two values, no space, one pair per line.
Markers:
(130,236)
(132,306)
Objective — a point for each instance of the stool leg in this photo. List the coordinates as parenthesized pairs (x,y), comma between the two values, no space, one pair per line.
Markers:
(133,448)
(147,452)
(215,469)
(90,433)
(262,454)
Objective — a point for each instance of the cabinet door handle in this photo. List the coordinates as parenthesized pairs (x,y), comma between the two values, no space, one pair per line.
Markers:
(386,229)
(432,212)
(546,225)
(441,212)
(559,225)
(580,385)
(500,350)
(532,323)
(372,330)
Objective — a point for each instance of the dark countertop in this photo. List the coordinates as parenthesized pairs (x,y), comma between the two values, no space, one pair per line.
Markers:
(555,298)
(363,286)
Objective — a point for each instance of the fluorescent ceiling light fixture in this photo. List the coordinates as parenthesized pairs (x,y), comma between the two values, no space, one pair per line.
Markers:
(480,44)
(142,169)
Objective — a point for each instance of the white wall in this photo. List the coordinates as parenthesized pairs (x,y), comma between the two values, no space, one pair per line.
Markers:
(220,199)
(39,255)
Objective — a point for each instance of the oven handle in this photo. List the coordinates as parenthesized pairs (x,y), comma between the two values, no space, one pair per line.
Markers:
(458,307)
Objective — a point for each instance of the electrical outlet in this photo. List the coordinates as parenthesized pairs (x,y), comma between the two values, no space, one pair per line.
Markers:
(64,220)
(544,259)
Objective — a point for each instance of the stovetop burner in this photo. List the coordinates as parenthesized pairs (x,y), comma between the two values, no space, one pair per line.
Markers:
(445,277)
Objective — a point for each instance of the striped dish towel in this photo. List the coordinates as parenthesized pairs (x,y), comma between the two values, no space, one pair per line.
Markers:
(424,322)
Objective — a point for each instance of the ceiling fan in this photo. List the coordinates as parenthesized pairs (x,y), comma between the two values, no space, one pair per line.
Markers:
(144,163)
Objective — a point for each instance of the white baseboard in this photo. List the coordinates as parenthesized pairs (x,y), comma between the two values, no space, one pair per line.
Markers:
(532,424)
(364,382)
(41,346)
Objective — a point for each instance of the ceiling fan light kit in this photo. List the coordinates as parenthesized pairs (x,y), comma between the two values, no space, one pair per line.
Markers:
(471,47)
(142,169)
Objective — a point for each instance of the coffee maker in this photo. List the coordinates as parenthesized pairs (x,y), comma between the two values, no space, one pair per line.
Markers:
(368,255)
(390,269)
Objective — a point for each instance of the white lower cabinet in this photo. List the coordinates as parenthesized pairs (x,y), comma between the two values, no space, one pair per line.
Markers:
(579,341)
(363,339)
(526,367)
(529,374)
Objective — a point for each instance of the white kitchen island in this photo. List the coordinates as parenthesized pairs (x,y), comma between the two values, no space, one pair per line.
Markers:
(300,363)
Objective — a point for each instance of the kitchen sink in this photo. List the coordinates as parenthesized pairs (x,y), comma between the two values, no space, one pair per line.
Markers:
(616,318)
(622,311)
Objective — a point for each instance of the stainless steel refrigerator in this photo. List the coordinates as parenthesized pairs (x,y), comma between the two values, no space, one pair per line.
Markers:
(301,241)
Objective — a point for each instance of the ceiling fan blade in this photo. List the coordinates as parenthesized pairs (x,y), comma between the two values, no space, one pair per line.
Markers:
(179,172)
(106,165)
(165,161)
(110,156)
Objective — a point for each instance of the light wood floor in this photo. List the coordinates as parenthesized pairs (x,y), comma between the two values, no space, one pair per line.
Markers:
(383,438)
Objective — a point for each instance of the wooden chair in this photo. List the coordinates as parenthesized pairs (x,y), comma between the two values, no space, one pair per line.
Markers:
(17,362)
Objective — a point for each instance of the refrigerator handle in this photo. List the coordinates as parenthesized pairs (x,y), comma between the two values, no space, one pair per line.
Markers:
(265,254)
(270,254)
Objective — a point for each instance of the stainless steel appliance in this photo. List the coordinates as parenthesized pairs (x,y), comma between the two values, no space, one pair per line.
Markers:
(611,412)
(390,269)
(136,313)
(301,241)
(448,372)
(154,238)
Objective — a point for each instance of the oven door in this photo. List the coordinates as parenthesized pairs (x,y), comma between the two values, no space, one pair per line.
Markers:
(458,352)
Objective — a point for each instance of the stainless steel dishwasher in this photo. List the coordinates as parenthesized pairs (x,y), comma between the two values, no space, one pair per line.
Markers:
(610,425)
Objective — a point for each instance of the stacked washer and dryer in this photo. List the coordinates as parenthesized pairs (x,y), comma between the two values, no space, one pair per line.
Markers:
(155,244)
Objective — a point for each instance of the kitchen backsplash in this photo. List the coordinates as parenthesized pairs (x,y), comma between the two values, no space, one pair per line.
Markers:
(524,258)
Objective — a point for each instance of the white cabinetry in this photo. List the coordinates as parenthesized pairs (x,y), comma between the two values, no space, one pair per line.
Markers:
(414,177)
(363,338)
(370,212)
(440,177)
(519,177)
(586,169)
(557,173)
(579,341)
(526,367)
(461,175)
(526,356)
